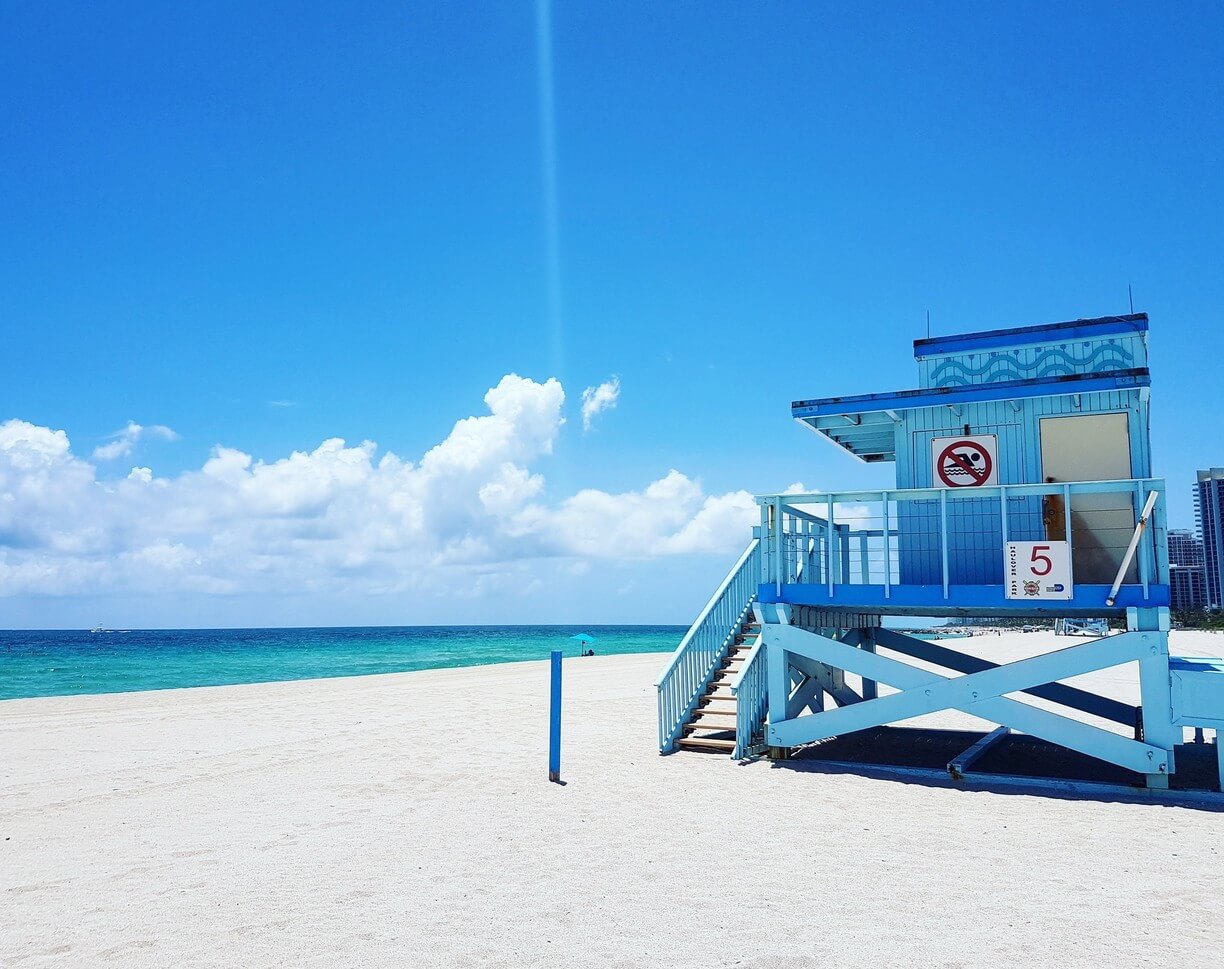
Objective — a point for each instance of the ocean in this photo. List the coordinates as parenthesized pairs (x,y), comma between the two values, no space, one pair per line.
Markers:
(66,662)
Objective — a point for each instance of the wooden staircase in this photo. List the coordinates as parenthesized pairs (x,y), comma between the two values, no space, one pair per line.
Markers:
(711,727)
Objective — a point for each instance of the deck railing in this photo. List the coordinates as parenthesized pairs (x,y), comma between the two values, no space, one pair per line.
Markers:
(751,703)
(956,536)
(704,646)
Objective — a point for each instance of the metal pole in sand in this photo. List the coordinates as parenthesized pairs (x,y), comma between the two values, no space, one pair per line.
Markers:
(554,724)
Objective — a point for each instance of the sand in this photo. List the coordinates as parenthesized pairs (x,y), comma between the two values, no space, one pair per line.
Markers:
(405,820)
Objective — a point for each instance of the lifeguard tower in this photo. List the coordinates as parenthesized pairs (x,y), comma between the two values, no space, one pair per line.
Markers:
(1024,489)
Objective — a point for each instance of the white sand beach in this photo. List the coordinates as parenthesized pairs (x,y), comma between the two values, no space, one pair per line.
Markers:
(405,820)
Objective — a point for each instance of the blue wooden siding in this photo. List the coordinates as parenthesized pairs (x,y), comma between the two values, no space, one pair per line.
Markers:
(1018,426)
(975,528)
(1040,361)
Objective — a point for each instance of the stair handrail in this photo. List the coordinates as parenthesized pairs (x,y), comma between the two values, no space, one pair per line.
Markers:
(757,647)
(691,667)
(749,687)
(705,613)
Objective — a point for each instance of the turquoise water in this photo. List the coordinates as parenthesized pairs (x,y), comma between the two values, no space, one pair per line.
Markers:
(60,663)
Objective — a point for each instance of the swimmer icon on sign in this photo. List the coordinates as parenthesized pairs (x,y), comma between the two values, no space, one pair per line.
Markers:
(965,462)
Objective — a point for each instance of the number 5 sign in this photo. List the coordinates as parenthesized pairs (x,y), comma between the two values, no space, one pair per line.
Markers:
(1038,570)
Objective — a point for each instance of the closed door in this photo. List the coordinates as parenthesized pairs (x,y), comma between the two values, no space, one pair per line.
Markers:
(1092,447)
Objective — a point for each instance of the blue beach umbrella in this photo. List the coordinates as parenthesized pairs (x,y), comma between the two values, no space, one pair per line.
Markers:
(583,640)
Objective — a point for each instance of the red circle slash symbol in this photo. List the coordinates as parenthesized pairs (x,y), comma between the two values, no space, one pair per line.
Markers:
(964,464)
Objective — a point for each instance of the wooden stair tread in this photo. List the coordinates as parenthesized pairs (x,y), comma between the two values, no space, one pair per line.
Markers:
(716,711)
(705,743)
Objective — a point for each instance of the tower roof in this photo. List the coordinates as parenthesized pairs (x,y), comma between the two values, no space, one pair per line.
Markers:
(1071,330)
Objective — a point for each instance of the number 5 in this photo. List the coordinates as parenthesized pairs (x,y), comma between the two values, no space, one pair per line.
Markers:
(1035,558)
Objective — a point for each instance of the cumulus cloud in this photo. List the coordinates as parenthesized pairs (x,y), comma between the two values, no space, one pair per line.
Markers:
(472,511)
(123,441)
(669,516)
(596,400)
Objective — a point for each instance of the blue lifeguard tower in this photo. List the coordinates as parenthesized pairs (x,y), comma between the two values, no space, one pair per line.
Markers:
(1024,489)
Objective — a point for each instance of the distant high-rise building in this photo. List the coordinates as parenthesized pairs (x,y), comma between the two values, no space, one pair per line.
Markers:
(1209,513)
(1187,590)
(1187,582)
(1185,548)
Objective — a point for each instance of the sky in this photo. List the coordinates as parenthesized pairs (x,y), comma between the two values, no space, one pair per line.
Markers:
(454,313)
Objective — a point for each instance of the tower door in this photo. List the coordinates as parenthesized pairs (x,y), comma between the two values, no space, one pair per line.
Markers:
(1092,447)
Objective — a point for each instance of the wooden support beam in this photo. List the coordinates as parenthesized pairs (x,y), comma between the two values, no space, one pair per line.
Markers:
(827,678)
(962,763)
(979,694)
(1067,696)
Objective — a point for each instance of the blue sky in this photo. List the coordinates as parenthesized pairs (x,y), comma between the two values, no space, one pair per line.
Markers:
(267,226)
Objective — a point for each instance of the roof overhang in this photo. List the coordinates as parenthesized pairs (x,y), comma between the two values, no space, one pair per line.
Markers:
(865,424)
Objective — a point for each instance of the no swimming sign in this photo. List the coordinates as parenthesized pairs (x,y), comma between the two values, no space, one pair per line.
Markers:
(967,461)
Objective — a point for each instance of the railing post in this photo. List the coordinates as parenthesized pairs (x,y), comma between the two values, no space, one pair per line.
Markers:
(943,537)
(777,530)
(844,548)
(1144,574)
(1067,518)
(1159,540)
(829,543)
(809,554)
(887,553)
(1003,514)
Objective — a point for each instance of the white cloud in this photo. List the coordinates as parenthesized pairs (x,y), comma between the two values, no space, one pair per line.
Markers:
(719,516)
(596,400)
(123,441)
(470,514)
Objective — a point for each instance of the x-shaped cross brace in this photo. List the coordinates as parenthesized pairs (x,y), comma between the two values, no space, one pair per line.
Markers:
(980,694)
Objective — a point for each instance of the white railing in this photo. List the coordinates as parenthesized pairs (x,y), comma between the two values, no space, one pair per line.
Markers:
(705,645)
(956,536)
(751,703)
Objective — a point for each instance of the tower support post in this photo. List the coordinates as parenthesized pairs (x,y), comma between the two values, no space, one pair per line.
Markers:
(1154,687)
